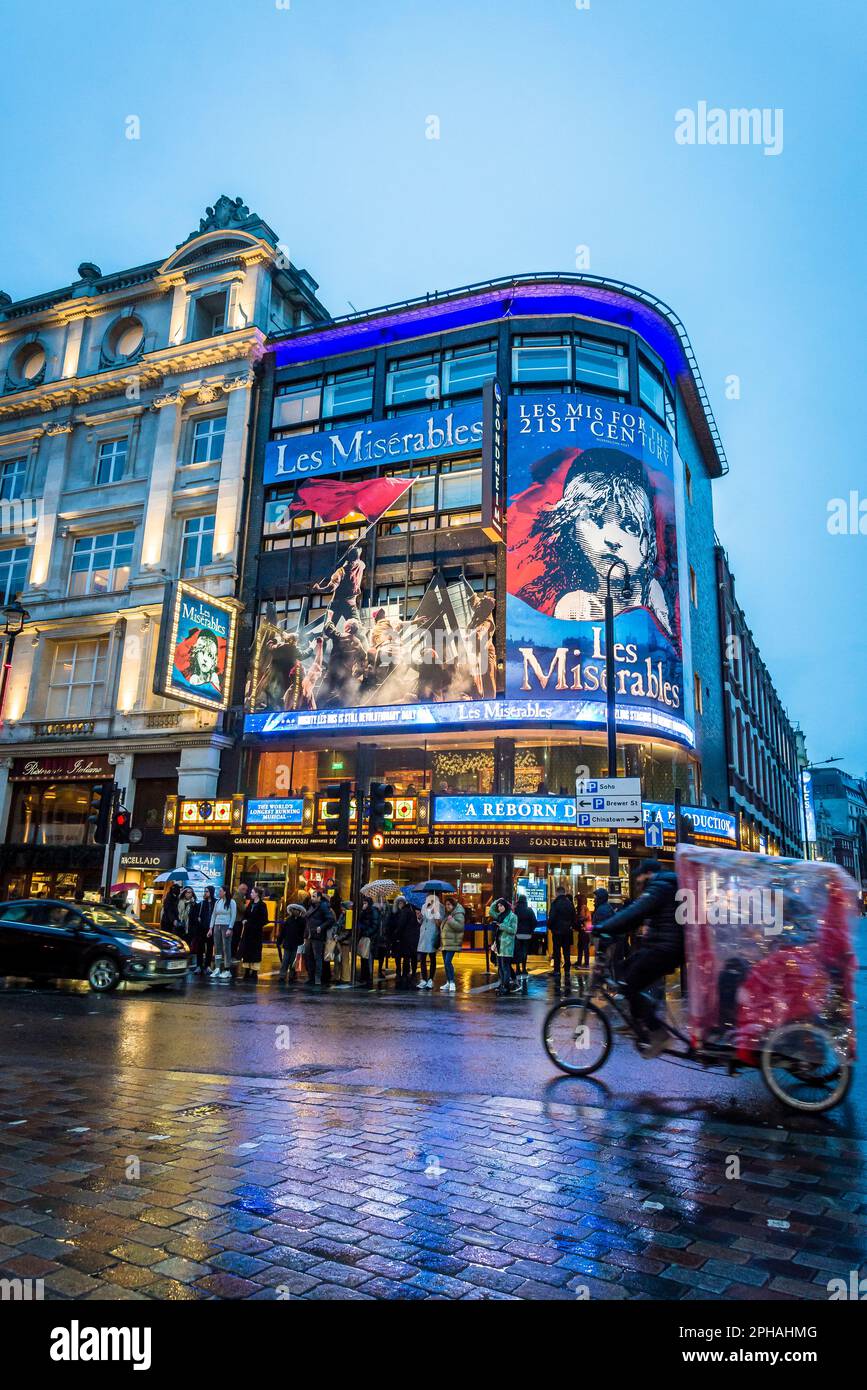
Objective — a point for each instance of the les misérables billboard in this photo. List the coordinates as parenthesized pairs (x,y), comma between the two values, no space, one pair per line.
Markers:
(197,651)
(591,482)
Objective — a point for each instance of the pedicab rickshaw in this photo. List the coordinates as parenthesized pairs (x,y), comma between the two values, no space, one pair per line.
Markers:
(769,978)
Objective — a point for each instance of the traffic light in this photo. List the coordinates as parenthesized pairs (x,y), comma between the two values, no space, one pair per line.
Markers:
(381,808)
(122,826)
(99,815)
(339,805)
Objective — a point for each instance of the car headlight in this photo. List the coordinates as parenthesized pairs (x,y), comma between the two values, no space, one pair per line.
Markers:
(147,946)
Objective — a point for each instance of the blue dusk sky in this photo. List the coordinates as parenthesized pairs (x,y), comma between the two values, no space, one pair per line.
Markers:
(556,131)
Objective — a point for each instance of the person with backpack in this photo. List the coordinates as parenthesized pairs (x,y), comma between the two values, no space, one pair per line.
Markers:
(527,923)
(562,921)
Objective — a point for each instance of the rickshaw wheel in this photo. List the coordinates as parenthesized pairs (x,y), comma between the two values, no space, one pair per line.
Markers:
(804,1068)
(577,1042)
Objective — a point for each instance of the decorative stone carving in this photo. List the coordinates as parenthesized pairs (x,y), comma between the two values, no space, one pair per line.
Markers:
(226,212)
(207,393)
(168,398)
(59,427)
(237,383)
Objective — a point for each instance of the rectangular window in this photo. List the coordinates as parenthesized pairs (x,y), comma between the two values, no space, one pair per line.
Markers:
(348,393)
(670,414)
(699,694)
(416,380)
(197,548)
(111,461)
(76,685)
(12,479)
(460,491)
(208,439)
(467,369)
(650,389)
(13,572)
(693,587)
(298,406)
(542,359)
(101,564)
(602,365)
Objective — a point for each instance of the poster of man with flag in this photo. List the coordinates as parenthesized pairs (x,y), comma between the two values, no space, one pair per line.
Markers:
(354,653)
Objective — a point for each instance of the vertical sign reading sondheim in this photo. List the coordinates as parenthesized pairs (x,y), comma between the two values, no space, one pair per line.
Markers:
(197,655)
(592,481)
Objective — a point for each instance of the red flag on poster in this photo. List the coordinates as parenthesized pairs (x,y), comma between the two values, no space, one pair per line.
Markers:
(333,499)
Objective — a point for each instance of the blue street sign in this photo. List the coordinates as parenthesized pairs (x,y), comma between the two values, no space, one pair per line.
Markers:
(653,836)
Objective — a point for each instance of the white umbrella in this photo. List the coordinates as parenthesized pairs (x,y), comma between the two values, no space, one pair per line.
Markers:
(379,888)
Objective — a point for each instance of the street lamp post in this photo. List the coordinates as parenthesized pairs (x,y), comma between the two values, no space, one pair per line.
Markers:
(15,617)
(611,709)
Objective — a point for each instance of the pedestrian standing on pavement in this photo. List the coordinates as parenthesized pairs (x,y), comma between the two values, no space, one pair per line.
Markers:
(432,916)
(253,934)
(188,916)
(585,926)
(453,940)
(406,926)
(169,914)
(222,928)
(507,925)
(291,941)
(562,921)
(319,922)
(203,943)
(369,933)
(527,924)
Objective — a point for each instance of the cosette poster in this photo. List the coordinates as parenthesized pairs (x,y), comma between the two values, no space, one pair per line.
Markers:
(200,654)
(591,483)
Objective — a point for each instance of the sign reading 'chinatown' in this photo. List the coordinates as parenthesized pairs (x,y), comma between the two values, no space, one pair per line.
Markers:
(406,439)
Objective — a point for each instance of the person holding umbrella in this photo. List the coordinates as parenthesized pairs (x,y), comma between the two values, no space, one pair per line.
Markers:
(432,915)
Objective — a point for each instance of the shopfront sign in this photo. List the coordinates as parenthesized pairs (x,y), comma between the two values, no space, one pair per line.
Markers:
(275,811)
(95,768)
(406,439)
(146,860)
(504,810)
(196,658)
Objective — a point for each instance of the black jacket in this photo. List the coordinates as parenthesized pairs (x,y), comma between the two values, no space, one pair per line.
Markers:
(657,906)
(562,919)
(405,927)
(319,919)
(292,932)
(603,912)
(370,922)
(526,920)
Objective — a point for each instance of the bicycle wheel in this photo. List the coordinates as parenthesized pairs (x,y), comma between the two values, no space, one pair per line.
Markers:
(804,1067)
(577,1037)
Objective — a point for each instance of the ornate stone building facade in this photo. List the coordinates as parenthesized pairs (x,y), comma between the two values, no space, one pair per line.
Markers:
(126,407)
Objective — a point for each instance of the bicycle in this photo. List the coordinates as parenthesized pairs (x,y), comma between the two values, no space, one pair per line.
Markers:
(803,1063)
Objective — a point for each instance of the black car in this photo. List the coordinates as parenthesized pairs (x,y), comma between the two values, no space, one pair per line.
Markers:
(86,941)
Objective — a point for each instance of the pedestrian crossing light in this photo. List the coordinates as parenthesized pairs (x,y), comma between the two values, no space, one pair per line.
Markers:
(99,813)
(338,806)
(380,816)
(122,826)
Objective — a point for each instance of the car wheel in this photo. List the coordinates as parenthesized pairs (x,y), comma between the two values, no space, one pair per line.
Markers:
(103,974)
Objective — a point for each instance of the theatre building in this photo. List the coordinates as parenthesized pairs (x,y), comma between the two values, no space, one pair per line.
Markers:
(443,490)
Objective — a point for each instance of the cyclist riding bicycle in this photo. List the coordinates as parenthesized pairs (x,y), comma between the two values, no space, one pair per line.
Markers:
(659,948)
